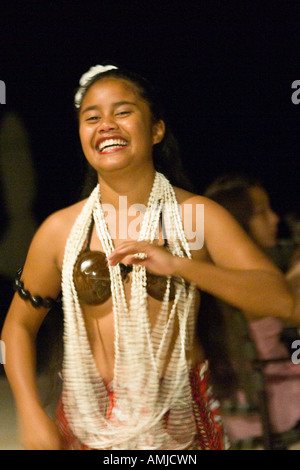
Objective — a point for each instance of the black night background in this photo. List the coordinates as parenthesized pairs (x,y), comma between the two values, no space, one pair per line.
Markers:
(224,68)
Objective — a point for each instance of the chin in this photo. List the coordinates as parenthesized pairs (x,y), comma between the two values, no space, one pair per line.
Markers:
(109,165)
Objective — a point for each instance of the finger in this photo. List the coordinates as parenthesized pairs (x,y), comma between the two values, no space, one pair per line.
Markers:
(133,258)
(136,260)
(130,248)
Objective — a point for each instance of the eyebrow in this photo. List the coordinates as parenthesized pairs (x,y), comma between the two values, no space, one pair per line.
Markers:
(115,105)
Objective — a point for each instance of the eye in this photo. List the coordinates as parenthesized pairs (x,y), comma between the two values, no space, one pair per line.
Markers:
(123,113)
(92,118)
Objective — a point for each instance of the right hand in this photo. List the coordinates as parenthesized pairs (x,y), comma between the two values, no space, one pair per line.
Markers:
(158,259)
(39,432)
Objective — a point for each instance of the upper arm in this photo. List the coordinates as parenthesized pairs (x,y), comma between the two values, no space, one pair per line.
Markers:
(41,274)
(41,271)
(227,243)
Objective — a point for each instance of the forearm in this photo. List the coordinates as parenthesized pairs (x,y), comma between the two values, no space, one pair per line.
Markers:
(37,431)
(20,367)
(262,292)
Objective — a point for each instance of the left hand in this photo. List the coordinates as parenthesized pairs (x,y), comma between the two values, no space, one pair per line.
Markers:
(157,259)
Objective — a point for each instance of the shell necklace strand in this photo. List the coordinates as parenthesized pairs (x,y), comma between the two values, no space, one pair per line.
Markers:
(146,386)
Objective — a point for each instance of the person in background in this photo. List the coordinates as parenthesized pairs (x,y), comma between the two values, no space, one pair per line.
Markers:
(249,203)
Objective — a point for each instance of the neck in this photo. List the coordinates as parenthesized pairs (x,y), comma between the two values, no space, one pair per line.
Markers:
(136,186)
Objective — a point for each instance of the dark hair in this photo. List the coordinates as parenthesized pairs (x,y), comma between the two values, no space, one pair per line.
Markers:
(232,192)
(211,331)
(166,154)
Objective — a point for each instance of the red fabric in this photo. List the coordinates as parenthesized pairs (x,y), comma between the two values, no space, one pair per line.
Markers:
(210,435)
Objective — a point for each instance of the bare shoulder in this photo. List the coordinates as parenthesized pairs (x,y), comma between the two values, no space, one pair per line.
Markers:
(196,204)
(217,219)
(50,239)
(220,233)
(192,211)
(186,197)
(213,211)
(62,220)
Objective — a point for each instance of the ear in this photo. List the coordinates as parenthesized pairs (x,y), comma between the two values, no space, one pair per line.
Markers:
(158,132)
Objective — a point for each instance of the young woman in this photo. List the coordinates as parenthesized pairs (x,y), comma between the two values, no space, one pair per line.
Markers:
(248,201)
(131,265)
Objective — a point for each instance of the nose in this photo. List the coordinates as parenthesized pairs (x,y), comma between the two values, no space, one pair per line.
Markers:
(107,124)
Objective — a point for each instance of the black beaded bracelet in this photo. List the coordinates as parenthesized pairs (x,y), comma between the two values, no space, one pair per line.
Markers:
(35,300)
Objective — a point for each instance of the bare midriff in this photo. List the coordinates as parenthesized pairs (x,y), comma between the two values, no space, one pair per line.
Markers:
(99,321)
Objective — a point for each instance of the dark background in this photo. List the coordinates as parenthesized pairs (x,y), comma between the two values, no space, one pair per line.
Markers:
(225,69)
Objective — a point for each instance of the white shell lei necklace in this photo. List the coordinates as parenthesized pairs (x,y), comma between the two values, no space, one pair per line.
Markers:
(146,385)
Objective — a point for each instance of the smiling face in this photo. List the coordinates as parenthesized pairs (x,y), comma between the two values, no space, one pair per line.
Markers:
(116,127)
(263,223)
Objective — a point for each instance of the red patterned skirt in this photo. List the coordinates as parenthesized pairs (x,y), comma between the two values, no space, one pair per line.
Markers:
(206,409)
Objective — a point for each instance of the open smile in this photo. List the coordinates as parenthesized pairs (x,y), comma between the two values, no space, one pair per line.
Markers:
(111,145)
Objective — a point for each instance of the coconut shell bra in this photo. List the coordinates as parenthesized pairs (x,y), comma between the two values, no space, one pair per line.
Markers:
(92,279)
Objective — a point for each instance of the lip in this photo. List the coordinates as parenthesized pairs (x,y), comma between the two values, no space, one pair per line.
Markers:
(110,137)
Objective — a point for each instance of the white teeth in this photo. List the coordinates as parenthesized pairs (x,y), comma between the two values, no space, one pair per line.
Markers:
(112,143)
